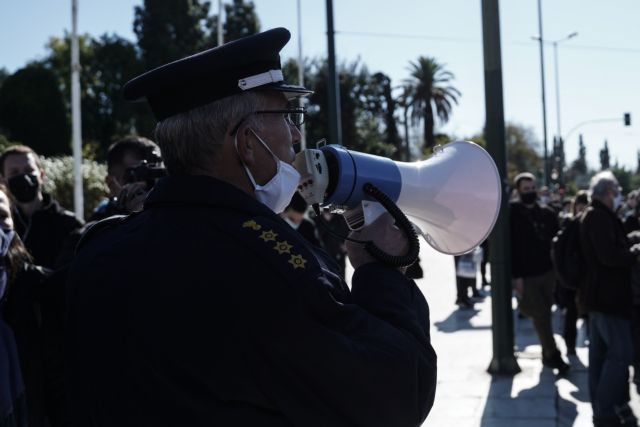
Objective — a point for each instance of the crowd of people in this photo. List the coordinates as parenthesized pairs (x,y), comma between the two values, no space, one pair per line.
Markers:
(581,255)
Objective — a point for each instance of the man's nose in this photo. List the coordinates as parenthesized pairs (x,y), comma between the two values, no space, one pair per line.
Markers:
(296,135)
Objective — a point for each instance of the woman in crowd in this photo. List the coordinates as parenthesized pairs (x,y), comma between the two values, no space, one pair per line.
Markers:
(12,394)
(28,319)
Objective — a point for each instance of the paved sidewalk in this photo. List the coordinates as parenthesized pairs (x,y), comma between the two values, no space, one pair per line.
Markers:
(467,395)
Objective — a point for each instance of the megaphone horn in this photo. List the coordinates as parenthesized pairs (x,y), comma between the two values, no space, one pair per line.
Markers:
(453,197)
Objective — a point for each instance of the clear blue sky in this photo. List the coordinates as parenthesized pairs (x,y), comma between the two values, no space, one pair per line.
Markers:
(599,69)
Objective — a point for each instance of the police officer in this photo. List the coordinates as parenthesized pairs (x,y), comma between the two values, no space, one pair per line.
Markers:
(218,312)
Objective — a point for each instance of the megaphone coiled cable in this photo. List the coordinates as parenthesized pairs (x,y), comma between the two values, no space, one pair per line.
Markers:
(402,222)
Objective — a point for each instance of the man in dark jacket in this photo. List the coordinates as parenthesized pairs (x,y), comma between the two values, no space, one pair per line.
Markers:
(532,228)
(608,298)
(218,312)
(42,224)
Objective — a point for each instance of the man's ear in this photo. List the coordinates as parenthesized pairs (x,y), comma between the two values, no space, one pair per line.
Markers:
(246,146)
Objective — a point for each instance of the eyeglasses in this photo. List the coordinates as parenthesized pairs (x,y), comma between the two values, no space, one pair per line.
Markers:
(293,116)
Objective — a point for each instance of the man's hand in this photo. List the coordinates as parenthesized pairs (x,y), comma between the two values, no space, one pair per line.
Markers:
(384,234)
(518,286)
(132,196)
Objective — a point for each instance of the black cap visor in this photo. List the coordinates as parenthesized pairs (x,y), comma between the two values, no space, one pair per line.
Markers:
(290,91)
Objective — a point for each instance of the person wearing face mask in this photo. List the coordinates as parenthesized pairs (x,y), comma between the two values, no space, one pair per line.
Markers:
(42,224)
(219,312)
(12,390)
(608,257)
(532,229)
(29,306)
(631,216)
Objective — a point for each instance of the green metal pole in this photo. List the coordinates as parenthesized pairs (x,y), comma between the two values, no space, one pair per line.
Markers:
(333,88)
(544,101)
(503,361)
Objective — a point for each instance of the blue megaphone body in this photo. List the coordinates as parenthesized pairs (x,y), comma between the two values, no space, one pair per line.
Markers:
(452,198)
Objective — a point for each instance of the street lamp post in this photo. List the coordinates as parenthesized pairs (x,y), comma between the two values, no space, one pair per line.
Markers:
(544,102)
(544,114)
(555,60)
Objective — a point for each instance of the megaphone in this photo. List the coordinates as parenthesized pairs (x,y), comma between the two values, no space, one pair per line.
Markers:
(452,198)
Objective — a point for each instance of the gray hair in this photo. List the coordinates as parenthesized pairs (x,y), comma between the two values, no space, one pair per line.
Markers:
(601,183)
(191,140)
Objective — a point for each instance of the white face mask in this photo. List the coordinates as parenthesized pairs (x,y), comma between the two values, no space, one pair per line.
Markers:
(277,193)
(617,201)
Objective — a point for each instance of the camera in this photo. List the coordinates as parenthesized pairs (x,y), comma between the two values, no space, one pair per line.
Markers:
(148,171)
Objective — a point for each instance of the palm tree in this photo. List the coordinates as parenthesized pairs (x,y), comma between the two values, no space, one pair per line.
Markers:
(404,101)
(430,90)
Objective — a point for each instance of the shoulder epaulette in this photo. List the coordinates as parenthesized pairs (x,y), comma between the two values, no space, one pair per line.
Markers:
(267,236)
(98,227)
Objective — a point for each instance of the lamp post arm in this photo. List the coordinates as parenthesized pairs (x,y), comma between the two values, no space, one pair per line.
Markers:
(587,122)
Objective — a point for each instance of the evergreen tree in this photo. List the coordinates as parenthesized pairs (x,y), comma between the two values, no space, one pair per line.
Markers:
(115,62)
(522,150)
(404,102)
(361,130)
(106,65)
(558,161)
(170,30)
(582,157)
(32,111)
(240,20)
(3,75)
(381,103)
(58,60)
(604,157)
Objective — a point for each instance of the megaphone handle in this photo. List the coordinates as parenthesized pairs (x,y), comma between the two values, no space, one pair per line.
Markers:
(402,222)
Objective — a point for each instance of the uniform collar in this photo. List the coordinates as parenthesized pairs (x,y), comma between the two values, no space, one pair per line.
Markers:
(204,191)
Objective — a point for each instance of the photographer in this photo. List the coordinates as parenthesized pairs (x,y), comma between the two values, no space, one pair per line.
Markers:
(133,165)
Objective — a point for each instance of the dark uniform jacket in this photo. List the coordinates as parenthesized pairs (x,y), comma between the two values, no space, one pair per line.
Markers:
(207,309)
(532,230)
(45,233)
(605,249)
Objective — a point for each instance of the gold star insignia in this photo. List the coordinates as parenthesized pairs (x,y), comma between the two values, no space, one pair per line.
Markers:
(297,261)
(283,247)
(252,224)
(268,236)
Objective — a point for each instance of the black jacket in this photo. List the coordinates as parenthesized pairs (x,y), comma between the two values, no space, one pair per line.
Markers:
(605,249)
(32,307)
(44,234)
(208,309)
(532,230)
